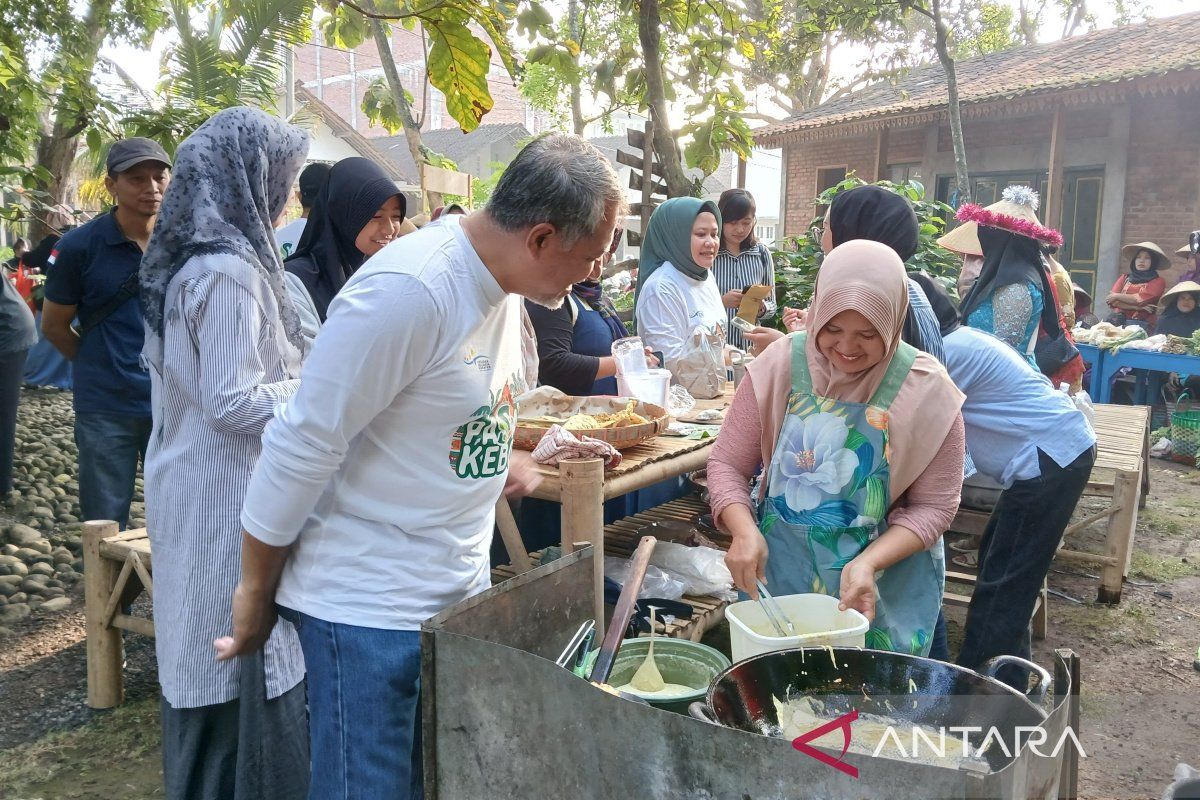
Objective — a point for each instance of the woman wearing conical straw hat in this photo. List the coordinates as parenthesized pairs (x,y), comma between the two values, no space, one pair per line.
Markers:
(1135,295)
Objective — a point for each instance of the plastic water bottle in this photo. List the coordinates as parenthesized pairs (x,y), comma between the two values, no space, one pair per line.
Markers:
(1082,401)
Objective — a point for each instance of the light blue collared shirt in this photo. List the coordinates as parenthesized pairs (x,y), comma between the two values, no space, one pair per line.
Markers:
(1011,410)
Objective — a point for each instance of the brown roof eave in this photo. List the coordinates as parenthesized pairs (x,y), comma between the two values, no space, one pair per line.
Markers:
(1169,83)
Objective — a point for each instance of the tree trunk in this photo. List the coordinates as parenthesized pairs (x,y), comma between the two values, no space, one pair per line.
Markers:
(412,129)
(666,148)
(58,145)
(956,131)
(578,123)
(1027,24)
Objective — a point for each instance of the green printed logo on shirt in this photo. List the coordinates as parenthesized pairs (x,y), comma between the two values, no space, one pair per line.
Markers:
(480,448)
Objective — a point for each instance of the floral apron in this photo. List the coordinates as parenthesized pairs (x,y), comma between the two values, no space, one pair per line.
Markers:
(827,499)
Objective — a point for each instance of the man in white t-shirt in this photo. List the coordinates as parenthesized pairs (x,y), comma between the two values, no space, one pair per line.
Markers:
(312,178)
(371,508)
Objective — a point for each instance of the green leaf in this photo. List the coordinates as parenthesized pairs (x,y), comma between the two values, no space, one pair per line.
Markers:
(875,505)
(379,104)
(879,639)
(534,20)
(826,536)
(854,439)
(346,28)
(458,67)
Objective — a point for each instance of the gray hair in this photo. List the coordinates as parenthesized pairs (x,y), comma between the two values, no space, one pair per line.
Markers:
(561,179)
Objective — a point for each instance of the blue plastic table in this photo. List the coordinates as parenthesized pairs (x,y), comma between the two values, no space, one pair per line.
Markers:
(1108,364)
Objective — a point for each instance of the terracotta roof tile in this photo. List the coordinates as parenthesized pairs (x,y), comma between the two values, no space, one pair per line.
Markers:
(1156,47)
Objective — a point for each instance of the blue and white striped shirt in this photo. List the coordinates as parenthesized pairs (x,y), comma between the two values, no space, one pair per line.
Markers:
(224,374)
(735,272)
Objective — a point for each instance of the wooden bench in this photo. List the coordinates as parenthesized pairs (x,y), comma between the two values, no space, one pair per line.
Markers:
(1121,477)
(116,569)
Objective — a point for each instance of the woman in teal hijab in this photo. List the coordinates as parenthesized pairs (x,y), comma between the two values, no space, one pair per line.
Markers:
(676,292)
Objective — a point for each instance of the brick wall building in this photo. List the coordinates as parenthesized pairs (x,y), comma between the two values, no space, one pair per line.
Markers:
(340,77)
(1122,105)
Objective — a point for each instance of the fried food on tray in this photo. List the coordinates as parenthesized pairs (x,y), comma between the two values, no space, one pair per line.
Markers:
(589,422)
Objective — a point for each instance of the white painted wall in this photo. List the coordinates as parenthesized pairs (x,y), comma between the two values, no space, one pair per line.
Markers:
(325,146)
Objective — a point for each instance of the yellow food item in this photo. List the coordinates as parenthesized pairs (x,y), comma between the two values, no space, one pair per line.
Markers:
(589,422)
(581,422)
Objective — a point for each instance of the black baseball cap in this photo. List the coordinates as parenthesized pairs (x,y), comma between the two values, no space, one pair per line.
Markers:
(128,153)
(312,178)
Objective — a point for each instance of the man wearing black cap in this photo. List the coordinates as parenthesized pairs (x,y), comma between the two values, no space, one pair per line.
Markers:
(312,178)
(93,274)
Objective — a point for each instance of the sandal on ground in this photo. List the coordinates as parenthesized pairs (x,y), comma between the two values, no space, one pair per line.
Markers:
(967,544)
(968,560)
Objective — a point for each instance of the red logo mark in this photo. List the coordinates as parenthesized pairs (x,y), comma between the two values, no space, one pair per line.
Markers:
(843,722)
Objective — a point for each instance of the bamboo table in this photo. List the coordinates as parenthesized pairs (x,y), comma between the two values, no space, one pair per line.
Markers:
(583,486)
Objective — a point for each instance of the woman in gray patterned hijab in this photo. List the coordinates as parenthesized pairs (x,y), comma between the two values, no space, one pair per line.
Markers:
(224,346)
(232,178)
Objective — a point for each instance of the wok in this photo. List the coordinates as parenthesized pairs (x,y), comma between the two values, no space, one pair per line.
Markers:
(876,682)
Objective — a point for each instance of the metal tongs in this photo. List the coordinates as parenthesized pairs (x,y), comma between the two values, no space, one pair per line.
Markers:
(779,621)
(577,649)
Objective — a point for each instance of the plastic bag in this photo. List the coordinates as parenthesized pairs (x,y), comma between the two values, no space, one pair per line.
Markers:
(701,368)
(657,583)
(1083,402)
(701,569)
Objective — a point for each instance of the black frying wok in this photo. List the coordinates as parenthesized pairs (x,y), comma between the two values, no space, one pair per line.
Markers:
(873,682)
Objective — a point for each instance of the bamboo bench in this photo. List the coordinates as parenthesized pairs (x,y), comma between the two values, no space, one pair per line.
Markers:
(1121,477)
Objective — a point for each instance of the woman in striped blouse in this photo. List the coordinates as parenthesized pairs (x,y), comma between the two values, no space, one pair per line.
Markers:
(224,346)
(742,261)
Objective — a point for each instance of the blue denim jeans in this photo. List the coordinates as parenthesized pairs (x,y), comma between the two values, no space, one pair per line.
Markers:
(110,446)
(364,713)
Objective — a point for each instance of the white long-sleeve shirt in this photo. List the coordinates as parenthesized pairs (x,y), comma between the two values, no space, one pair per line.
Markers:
(671,305)
(385,467)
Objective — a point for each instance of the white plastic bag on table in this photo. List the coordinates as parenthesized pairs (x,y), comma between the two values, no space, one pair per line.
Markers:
(1082,401)
(701,367)
(657,583)
(702,569)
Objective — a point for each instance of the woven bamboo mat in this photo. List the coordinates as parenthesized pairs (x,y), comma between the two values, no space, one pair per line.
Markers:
(621,538)
(1120,439)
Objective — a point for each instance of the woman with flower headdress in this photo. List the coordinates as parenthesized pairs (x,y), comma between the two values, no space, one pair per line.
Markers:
(1013,294)
(1015,298)
(861,443)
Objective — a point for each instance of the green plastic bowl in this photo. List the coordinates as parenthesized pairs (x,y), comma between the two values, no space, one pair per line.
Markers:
(679,661)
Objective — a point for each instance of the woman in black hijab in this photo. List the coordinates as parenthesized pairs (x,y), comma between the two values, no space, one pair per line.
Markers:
(1180,314)
(357,213)
(874,213)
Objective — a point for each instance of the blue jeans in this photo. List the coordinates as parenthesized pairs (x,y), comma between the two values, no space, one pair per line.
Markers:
(109,448)
(364,713)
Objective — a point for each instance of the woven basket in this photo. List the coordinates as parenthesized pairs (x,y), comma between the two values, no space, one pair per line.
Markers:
(1185,431)
(527,438)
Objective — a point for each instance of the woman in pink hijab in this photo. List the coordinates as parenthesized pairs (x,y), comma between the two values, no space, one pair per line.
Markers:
(861,444)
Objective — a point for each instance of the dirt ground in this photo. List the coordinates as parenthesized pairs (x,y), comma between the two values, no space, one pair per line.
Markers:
(1141,695)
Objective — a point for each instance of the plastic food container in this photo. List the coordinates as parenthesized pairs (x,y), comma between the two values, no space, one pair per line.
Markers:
(630,354)
(816,617)
(651,386)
